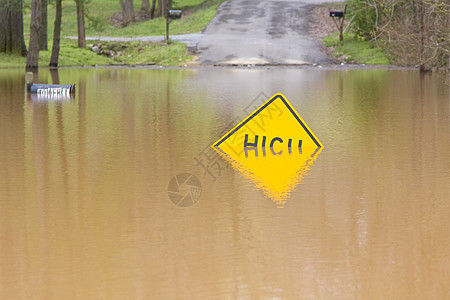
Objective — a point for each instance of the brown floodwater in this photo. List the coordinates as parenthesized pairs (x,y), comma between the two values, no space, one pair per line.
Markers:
(93,205)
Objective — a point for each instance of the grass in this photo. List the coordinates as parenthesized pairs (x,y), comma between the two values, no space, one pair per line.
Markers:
(132,53)
(69,55)
(352,50)
(148,53)
(196,15)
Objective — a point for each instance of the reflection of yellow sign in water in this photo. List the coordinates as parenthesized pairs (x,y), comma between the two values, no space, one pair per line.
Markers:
(273,146)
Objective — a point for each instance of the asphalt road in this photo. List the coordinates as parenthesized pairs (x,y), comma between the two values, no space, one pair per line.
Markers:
(260,32)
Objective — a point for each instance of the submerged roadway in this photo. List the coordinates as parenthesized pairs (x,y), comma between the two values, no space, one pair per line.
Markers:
(260,32)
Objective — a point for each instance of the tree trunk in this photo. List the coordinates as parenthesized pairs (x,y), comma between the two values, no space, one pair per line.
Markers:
(43,44)
(130,8)
(127,12)
(5,40)
(11,28)
(164,8)
(152,11)
(159,8)
(124,9)
(18,42)
(80,24)
(422,57)
(35,27)
(56,35)
(145,5)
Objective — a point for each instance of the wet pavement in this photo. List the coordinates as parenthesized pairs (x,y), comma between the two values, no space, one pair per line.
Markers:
(260,32)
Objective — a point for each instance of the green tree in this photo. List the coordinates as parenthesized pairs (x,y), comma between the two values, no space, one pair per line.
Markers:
(367,16)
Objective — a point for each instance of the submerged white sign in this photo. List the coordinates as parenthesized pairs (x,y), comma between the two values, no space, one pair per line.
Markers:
(54,92)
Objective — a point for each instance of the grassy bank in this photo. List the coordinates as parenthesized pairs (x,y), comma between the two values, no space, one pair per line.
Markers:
(101,20)
(354,50)
(130,53)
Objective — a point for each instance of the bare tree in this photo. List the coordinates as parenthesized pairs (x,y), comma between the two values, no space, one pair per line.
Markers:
(43,43)
(35,26)
(56,35)
(80,24)
(418,34)
(11,27)
(415,32)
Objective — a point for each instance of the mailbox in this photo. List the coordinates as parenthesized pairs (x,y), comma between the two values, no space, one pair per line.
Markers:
(174,14)
(336,13)
(171,15)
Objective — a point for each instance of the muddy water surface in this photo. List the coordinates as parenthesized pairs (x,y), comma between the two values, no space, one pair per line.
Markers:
(85,211)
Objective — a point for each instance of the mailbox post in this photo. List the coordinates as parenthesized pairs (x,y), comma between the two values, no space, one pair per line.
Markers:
(171,15)
(339,24)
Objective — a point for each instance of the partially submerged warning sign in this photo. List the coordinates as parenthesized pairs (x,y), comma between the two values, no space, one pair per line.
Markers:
(273,146)
(275,124)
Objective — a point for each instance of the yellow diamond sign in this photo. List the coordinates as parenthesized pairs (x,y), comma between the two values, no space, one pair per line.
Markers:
(273,147)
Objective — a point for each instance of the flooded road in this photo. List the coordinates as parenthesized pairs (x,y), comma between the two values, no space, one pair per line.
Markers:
(89,187)
(261,32)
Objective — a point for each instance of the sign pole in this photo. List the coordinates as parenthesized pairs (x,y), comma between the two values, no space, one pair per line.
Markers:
(167,29)
(340,26)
